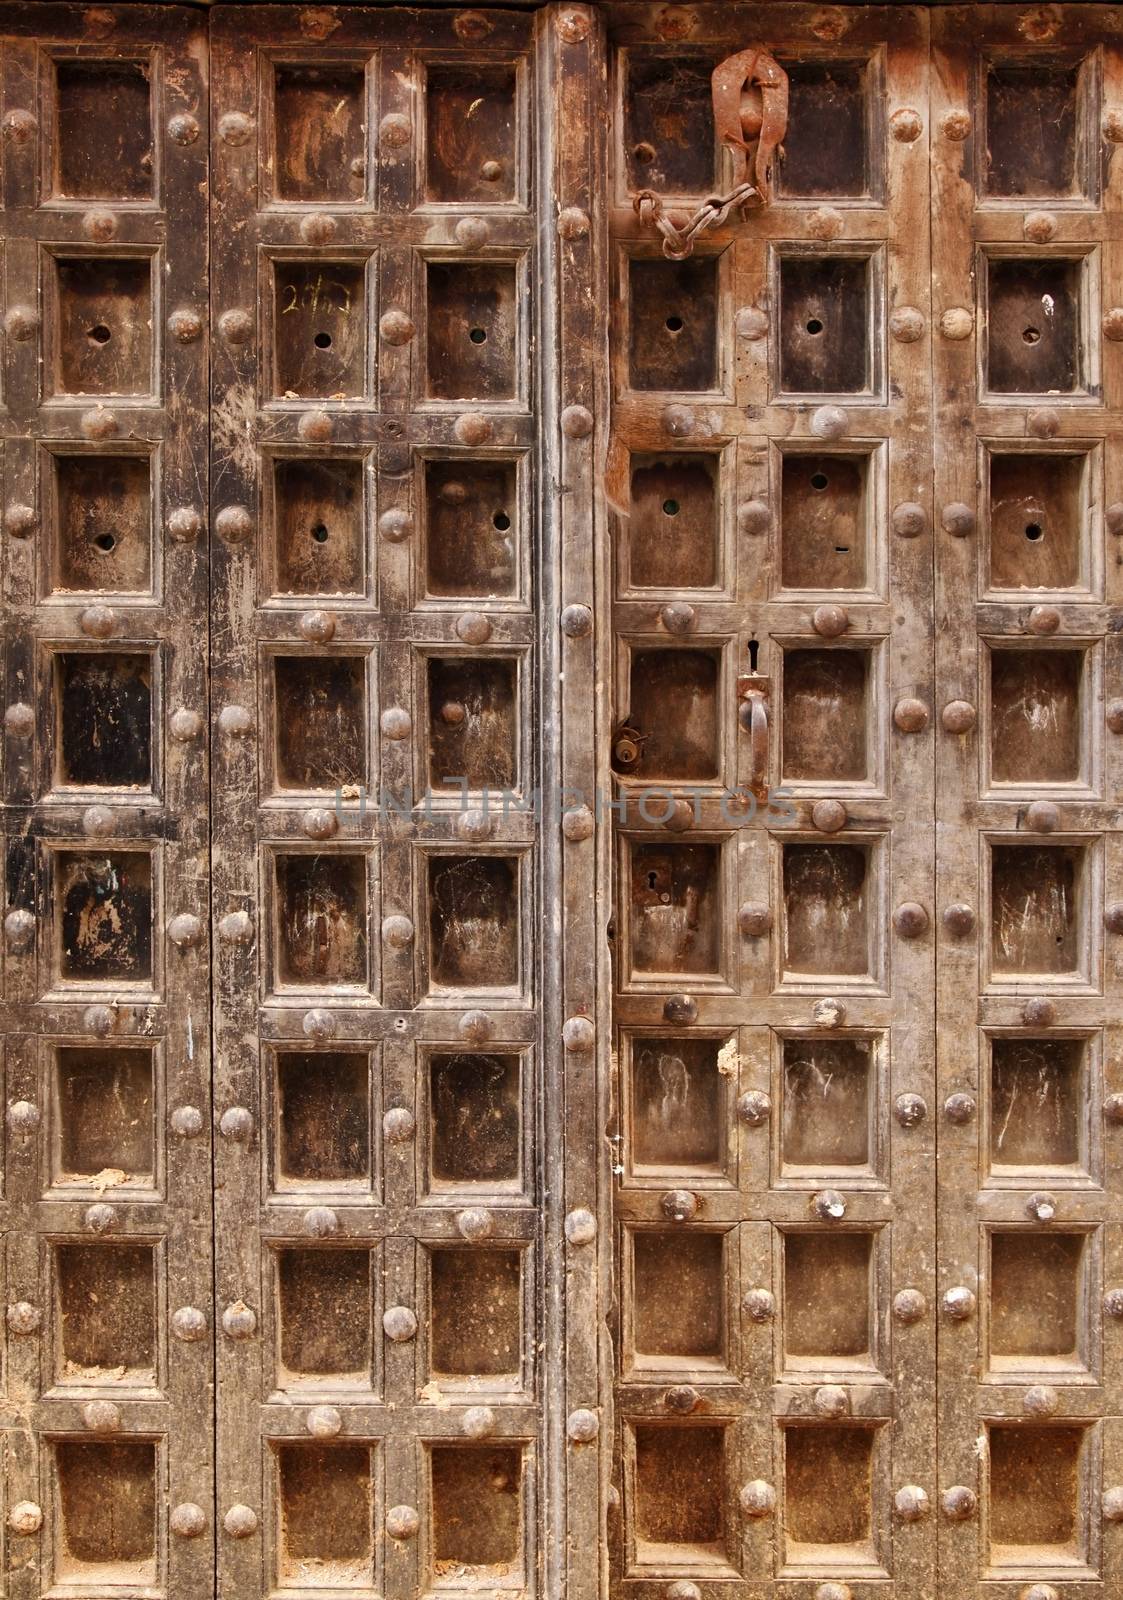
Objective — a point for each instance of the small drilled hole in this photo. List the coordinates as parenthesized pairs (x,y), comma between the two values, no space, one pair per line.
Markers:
(99,334)
(322,341)
(320,533)
(501,521)
(1034,531)
(105,541)
(842,549)
(818,480)
(670,508)
(814,325)
(477,335)
(644,153)
(674,324)
(1030,335)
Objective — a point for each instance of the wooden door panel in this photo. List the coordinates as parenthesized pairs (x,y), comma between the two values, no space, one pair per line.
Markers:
(108,1371)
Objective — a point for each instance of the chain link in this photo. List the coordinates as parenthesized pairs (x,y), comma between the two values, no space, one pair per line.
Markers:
(679,242)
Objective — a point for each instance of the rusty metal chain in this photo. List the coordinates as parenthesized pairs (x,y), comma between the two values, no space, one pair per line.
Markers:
(679,242)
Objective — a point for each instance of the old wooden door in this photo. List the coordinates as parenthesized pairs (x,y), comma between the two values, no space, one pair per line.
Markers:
(561,865)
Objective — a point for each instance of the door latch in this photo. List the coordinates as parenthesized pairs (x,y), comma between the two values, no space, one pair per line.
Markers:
(753,697)
(750,100)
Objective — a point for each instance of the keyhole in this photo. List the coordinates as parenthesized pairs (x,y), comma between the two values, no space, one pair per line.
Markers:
(674,324)
(99,334)
(320,533)
(105,542)
(501,521)
(322,341)
(477,335)
(670,508)
(1034,531)
(652,880)
(1030,335)
(754,653)
(814,325)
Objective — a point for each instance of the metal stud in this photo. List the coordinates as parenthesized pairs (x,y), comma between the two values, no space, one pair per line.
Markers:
(402,1522)
(828,1012)
(189,1324)
(577,422)
(754,1108)
(1039,1013)
(100,1218)
(236,1124)
(910,715)
(239,1321)
(959,1503)
(910,919)
(101,1416)
(240,1522)
(959,920)
(828,815)
(472,233)
(578,824)
(576,622)
(319,1024)
(906,324)
(473,428)
(1041,1400)
(829,422)
(911,1503)
(19,930)
(958,1303)
(573,223)
(317,228)
(396,327)
(97,622)
(475,1223)
(473,627)
(398,1125)
(23,1318)
(579,1035)
(187,1520)
(475,1027)
(906,125)
(320,1222)
(1042,816)
(1113,1109)
(395,525)
(478,1422)
(1112,1504)
(580,1226)
(759,1305)
(958,519)
(185,325)
(682,1399)
(234,524)
(959,1109)
(680,1008)
(185,930)
(677,617)
(582,1426)
(828,1205)
(324,1422)
(910,1110)
(1041,1206)
(909,1306)
(757,1498)
(397,932)
(235,128)
(21,323)
(957,323)
(236,927)
(680,1205)
(1040,226)
(25,1517)
(830,621)
(186,1122)
(394,131)
(958,716)
(316,427)
(830,1400)
(399,1324)
(751,323)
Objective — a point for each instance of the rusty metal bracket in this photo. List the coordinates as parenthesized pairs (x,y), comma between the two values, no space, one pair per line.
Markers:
(750,98)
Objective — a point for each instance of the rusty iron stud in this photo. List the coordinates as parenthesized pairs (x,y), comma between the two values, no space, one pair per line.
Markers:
(317,626)
(959,1503)
(680,818)
(19,930)
(833,1591)
(20,126)
(751,323)
(23,1318)
(320,1222)
(236,721)
(909,520)
(25,1517)
(471,27)
(753,517)
(754,1108)
(1113,715)
(189,1324)
(910,1110)
(830,1400)
(236,1124)
(677,617)
(399,1324)
(239,1321)
(682,1399)
(101,1416)
(23,1116)
(236,326)
(678,421)
(906,324)
(472,428)
(184,725)
(1113,517)
(830,621)
(958,1303)
(97,622)
(829,422)
(99,1020)
(955,125)
(472,233)
(757,1498)
(234,128)
(828,1205)
(396,326)
(576,622)
(906,125)
(828,1012)
(236,927)
(754,919)
(680,1205)
(475,826)
(828,815)
(1039,1013)
(578,824)
(910,715)
(185,325)
(680,1008)
(475,1223)
(759,1305)
(317,228)
(825,223)
(185,930)
(910,920)
(1112,1504)
(21,323)
(582,1426)
(240,1522)
(316,427)
(187,1520)
(580,1226)
(398,1125)
(478,1422)
(323,1422)
(319,1024)
(959,1109)
(20,521)
(234,524)
(1043,620)
(909,1306)
(397,932)
(958,716)
(1041,1400)
(99,423)
(1113,1303)
(186,1122)
(100,1218)
(1113,1109)
(395,723)
(395,525)
(19,720)
(475,1027)
(1113,917)
(957,323)
(394,131)
(911,1503)
(573,27)
(958,519)
(573,223)
(98,822)
(578,1035)
(958,919)
(473,627)
(577,422)
(1041,1206)
(1039,226)
(1044,423)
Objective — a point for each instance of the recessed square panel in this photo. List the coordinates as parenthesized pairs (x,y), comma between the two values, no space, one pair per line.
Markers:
(106,1301)
(828,1493)
(1039,521)
(475,1301)
(678,1298)
(1038,910)
(1033,1511)
(477,1513)
(103,1114)
(475,1129)
(675,908)
(1031,144)
(103,524)
(470,132)
(827,138)
(827,1300)
(1036,716)
(670,535)
(103,130)
(325,1495)
(824,521)
(473,911)
(1033,326)
(322,1119)
(674,703)
(825,324)
(472,311)
(1037,1305)
(319,121)
(319,529)
(323,1310)
(678,1103)
(473,723)
(102,337)
(667,99)
(103,726)
(678,1512)
(320,706)
(471,529)
(830,1096)
(319,329)
(825,715)
(321,920)
(828,903)
(104,909)
(106,1524)
(673,318)
(1038,1091)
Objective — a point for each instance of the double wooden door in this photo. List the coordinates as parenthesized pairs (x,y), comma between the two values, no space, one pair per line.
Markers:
(562,860)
